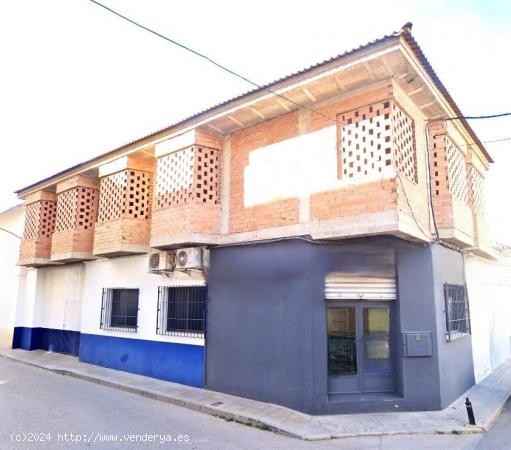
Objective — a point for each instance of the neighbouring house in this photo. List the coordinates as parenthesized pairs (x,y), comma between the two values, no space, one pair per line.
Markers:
(489,292)
(11,275)
(305,248)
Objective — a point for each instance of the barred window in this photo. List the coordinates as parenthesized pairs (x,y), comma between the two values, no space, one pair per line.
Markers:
(181,311)
(119,309)
(457,312)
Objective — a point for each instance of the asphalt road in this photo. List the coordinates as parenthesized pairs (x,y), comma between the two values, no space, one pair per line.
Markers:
(44,410)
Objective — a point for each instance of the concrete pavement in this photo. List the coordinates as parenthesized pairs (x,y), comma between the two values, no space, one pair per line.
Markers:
(68,411)
(488,399)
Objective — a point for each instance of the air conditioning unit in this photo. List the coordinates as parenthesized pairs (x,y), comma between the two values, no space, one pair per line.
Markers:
(192,258)
(161,261)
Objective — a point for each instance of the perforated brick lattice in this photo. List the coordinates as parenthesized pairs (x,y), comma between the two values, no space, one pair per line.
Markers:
(112,196)
(207,175)
(403,136)
(39,220)
(439,160)
(376,138)
(140,191)
(189,175)
(31,230)
(174,178)
(125,194)
(66,210)
(457,172)
(478,199)
(87,207)
(76,209)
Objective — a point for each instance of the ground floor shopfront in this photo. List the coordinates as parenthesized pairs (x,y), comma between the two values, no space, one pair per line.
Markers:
(336,327)
(323,328)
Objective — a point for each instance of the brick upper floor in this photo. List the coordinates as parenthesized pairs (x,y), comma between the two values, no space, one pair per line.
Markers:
(367,154)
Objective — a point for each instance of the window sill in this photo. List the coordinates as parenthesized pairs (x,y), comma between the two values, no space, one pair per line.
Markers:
(120,329)
(457,338)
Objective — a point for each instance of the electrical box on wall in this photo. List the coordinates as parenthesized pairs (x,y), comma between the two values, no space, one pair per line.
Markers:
(417,344)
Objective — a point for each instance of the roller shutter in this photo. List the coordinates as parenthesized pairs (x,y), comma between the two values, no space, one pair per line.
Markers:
(343,286)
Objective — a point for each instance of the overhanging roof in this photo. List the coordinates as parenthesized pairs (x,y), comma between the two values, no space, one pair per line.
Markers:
(275,86)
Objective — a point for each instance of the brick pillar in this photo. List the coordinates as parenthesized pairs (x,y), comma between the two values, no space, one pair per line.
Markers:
(77,209)
(439,176)
(40,209)
(187,201)
(476,181)
(125,205)
(450,187)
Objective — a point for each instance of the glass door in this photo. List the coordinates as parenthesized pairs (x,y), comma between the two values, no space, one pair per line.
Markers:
(360,357)
(342,350)
(376,352)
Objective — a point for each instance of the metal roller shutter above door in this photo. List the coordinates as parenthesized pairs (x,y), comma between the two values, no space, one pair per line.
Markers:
(348,286)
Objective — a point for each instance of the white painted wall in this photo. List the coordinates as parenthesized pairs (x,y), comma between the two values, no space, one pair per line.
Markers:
(27,308)
(130,272)
(297,167)
(69,296)
(61,296)
(51,297)
(10,274)
(489,290)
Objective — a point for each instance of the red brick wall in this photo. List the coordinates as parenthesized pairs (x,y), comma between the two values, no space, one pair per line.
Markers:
(354,200)
(350,200)
(450,213)
(283,212)
(110,237)
(125,210)
(209,139)
(188,191)
(185,219)
(442,198)
(39,226)
(77,210)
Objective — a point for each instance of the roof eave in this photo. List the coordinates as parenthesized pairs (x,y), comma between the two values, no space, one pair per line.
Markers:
(235,102)
(251,96)
(419,54)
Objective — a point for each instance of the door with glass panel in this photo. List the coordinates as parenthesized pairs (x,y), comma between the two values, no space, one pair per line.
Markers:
(360,357)
(342,350)
(376,355)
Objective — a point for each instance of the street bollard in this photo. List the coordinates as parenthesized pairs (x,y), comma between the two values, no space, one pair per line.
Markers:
(470,412)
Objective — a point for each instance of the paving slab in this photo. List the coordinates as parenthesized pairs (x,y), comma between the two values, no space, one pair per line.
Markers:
(488,398)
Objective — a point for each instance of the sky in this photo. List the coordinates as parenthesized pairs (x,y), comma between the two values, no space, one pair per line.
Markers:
(76,81)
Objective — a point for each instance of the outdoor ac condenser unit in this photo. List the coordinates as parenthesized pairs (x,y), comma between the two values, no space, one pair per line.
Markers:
(192,258)
(161,261)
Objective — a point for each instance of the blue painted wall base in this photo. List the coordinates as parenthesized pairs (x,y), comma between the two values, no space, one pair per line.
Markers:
(50,339)
(180,363)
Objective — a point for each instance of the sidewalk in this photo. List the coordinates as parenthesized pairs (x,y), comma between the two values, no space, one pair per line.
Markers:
(488,398)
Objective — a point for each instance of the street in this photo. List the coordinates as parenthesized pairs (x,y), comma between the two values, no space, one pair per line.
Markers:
(43,410)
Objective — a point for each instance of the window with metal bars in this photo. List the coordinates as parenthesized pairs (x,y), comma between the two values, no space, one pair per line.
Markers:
(119,309)
(182,311)
(457,312)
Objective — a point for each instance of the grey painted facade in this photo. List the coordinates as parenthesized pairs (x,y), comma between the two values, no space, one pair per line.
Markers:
(267,337)
(456,370)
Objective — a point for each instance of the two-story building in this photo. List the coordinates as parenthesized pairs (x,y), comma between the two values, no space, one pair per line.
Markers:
(302,244)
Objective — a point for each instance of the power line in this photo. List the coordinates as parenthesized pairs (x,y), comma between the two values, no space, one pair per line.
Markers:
(10,232)
(242,77)
(398,176)
(494,140)
(490,116)
(210,60)
(300,106)
(431,212)
(484,142)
